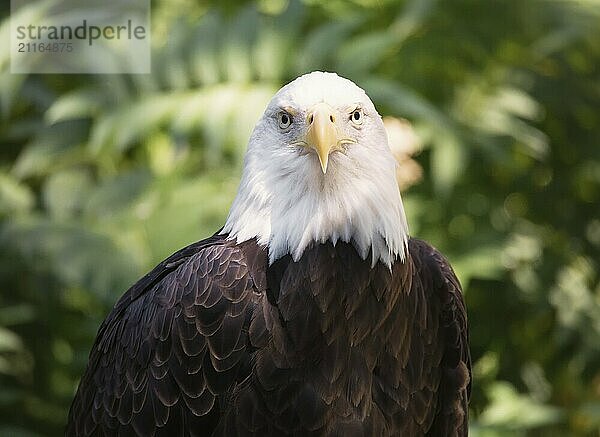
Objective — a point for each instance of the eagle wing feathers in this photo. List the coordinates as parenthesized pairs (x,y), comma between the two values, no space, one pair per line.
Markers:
(172,348)
(432,271)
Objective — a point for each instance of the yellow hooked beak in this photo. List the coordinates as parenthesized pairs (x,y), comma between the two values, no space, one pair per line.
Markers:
(322,133)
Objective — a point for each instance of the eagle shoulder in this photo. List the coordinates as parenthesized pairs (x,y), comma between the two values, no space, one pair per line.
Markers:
(432,271)
(174,346)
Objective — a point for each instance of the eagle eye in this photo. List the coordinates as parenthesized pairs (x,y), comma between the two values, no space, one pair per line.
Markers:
(356,117)
(284,119)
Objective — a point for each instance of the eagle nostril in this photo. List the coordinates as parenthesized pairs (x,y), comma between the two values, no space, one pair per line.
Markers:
(310,119)
(331,118)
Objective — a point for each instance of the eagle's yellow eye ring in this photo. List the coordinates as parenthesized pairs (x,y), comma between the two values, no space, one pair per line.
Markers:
(284,120)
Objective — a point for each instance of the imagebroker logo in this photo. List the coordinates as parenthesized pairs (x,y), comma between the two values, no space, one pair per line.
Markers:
(80,36)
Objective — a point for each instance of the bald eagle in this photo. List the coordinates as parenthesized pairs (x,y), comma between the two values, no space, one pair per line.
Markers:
(311,312)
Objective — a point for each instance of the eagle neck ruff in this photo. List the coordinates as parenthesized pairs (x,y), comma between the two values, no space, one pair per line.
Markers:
(289,210)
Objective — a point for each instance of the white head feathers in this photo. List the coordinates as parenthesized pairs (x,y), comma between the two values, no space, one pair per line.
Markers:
(287,202)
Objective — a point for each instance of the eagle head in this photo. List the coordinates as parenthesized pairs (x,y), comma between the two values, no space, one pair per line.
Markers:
(318,168)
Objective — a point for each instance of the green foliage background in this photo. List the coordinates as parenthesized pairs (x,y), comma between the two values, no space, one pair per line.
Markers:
(101,177)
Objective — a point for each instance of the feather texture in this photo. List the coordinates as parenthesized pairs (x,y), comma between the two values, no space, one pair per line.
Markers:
(215,342)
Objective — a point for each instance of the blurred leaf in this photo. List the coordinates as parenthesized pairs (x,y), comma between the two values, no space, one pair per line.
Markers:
(77,256)
(412,17)
(116,194)
(405,102)
(79,104)
(236,51)
(364,52)
(481,263)
(11,84)
(323,42)
(120,129)
(9,341)
(14,197)
(65,192)
(513,411)
(16,314)
(54,148)
(206,45)
(448,160)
